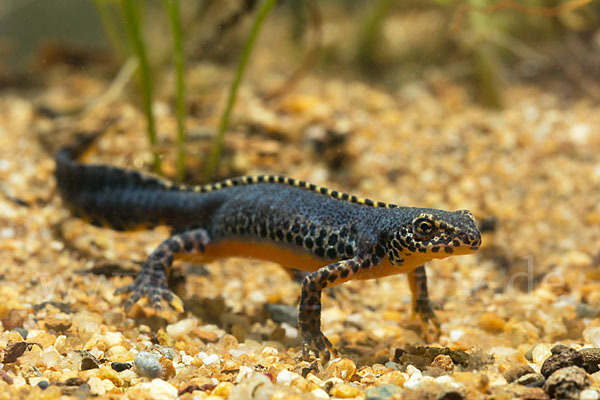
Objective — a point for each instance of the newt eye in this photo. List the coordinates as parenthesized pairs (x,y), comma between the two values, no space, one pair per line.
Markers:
(424,228)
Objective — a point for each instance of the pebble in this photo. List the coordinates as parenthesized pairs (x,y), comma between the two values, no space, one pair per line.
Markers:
(182,327)
(41,382)
(205,335)
(492,322)
(394,377)
(157,389)
(167,367)
(112,339)
(345,391)
(540,352)
(60,343)
(320,393)
(286,377)
(415,377)
(223,389)
(591,335)
(13,351)
(210,360)
(342,368)
(392,365)
(514,391)
(591,359)
(119,354)
(107,373)
(257,384)
(89,362)
(382,392)
(531,380)
(96,386)
(243,373)
(237,353)
(562,356)
(22,332)
(584,310)
(589,394)
(566,383)
(516,371)
(148,364)
(15,319)
(57,324)
(443,362)
(119,366)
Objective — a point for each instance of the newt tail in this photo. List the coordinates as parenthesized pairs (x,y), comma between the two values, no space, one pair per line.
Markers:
(334,236)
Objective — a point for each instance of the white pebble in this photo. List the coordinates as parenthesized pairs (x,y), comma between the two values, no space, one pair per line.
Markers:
(7,233)
(320,393)
(209,360)
(160,390)
(540,352)
(589,394)
(415,377)
(592,335)
(186,359)
(579,133)
(243,373)
(286,377)
(412,370)
(96,386)
(50,356)
(257,297)
(112,339)
(108,385)
(290,331)
(128,375)
(456,334)
(269,351)
(181,327)
(236,353)
(444,379)
(60,343)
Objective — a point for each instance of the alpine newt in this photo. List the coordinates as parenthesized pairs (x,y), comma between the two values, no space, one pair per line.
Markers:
(334,236)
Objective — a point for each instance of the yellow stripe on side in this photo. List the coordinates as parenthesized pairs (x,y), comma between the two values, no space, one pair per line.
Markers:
(278,179)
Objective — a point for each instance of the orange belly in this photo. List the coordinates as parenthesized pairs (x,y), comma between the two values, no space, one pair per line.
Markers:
(286,257)
(289,258)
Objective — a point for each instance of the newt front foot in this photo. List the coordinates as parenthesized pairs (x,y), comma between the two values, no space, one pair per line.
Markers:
(318,342)
(430,323)
(154,289)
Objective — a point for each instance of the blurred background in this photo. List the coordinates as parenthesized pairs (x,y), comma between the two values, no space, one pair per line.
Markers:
(486,44)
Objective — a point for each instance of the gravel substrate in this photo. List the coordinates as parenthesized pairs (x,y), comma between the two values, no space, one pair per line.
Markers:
(520,319)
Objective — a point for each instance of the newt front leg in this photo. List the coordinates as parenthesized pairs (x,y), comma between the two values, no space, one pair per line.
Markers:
(309,318)
(421,305)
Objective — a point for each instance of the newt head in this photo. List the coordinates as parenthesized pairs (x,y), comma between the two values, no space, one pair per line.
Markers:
(440,234)
(428,234)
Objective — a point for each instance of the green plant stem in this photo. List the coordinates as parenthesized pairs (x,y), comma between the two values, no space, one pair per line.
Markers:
(132,22)
(172,7)
(215,154)
(369,41)
(109,17)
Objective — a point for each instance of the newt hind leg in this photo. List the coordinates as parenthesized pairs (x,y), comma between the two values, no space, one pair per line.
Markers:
(151,281)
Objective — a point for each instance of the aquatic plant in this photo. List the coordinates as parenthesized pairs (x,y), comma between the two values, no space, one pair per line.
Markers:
(215,154)
(172,7)
(131,14)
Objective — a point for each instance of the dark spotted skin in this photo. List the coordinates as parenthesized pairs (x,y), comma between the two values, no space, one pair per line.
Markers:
(334,236)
